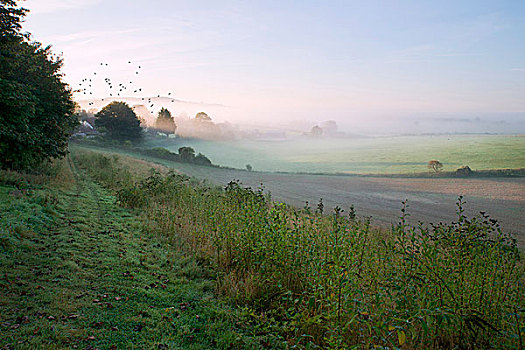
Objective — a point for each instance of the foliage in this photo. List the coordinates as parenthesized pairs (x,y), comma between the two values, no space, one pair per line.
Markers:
(316,131)
(249,167)
(185,155)
(120,122)
(464,171)
(435,165)
(165,122)
(36,108)
(332,281)
(201,159)
(11,16)
(202,116)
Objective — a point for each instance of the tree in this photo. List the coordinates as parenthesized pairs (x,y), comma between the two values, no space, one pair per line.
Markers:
(435,165)
(316,131)
(187,154)
(249,167)
(165,122)
(120,122)
(36,107)
(201,116)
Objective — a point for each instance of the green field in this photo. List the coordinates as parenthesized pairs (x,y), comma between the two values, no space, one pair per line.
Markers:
(378,155)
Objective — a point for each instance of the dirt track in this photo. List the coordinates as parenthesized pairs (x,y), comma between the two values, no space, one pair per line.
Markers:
(430,200)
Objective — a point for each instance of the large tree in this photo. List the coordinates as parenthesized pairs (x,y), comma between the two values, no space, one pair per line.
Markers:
(120,122)
(165,122)
(36,107)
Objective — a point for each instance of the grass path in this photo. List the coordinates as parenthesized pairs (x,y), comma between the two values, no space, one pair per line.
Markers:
(77,271)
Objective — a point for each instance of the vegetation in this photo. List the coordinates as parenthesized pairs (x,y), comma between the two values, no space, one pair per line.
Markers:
(165,122)
(464,171)
(202,116)
(435,165)
(78,271)
(185,155)
(36,109)
(333,281)
(120,122)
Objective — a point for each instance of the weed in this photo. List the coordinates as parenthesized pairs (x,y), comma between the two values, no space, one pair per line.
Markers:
(334,281)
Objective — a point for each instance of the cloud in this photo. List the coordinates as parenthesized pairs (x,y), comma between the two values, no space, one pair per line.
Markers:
(50,6)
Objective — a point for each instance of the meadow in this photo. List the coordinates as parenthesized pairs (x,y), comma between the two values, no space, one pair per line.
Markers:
(329,279)
(363,155)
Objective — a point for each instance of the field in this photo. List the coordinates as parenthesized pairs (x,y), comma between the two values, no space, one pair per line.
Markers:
(374,155)
(332,280)
(430,199)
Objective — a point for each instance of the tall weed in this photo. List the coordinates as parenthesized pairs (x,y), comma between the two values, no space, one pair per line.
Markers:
(334,281)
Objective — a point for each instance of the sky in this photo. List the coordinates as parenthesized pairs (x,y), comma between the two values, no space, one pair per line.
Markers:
(367,64)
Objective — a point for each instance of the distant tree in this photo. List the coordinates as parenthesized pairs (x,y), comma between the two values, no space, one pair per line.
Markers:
(435,165)
(165,122)
(120,122)
(316,131)
(249,167)
(36,107)
(201,116)
(187,154)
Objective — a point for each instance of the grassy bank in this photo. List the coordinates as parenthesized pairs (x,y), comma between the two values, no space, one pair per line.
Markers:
(78,271)
(331,280)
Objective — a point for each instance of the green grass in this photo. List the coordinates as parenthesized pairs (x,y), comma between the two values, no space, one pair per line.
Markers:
(332,281)
(78,271)
(379,155)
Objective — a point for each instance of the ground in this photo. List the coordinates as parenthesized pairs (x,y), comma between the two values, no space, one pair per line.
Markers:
(430,199)
(78,271)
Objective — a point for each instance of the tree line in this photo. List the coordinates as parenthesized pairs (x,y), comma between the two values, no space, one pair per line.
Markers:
(36,106)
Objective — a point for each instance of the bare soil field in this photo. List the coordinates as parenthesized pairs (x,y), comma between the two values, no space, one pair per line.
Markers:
(430,200)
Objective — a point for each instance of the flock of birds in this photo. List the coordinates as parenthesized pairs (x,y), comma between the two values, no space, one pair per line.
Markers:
(86,86)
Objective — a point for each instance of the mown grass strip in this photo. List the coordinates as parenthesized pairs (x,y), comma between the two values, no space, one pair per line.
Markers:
(77,271)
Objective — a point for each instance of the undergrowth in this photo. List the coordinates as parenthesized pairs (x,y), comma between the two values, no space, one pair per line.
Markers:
(334,281)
